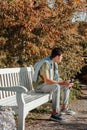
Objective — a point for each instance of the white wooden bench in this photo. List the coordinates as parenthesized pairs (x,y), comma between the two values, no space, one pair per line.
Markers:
(16,91)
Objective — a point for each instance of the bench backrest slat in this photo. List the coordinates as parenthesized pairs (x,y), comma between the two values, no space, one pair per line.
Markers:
(15,77)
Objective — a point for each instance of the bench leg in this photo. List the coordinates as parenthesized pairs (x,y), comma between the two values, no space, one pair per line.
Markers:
(21,112)
(21,120)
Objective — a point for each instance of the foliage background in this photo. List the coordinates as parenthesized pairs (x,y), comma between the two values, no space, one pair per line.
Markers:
(29,29)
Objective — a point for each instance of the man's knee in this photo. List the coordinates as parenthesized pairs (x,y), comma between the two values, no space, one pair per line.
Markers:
(66,89)
(57,87)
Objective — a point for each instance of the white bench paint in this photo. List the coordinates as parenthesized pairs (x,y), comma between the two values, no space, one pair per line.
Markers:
(16,90)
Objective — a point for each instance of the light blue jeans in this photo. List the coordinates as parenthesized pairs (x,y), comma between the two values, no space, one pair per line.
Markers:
(55,90)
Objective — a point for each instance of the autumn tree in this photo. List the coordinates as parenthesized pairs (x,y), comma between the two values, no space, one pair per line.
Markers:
(29,29)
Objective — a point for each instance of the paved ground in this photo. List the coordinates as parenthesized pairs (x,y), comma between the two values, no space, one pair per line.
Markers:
(76,122)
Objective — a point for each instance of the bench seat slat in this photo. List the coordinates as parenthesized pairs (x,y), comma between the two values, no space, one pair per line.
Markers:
(11,101)
(37,101)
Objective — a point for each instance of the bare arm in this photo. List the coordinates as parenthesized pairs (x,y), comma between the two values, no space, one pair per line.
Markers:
(61,83)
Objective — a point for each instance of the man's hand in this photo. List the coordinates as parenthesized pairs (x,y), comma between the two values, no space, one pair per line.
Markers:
(71,85)
(68,84)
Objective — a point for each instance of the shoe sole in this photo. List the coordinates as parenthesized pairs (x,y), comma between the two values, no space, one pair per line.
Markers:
(63,113)
(55,119)
(61,122)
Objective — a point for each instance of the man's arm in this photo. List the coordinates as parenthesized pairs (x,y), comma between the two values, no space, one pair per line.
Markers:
(47,80)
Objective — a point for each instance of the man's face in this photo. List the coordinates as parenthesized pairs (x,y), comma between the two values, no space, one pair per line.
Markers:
(58,59)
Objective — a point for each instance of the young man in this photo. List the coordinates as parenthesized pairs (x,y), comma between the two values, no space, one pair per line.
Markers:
(46,78)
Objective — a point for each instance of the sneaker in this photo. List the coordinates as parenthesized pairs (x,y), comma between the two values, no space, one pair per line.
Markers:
(58,118)
(68,112)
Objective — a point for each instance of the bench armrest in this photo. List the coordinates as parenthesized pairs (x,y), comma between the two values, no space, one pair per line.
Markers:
(18,89)
(19,93)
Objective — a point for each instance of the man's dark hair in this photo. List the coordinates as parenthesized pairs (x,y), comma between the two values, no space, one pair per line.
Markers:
(56,52)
